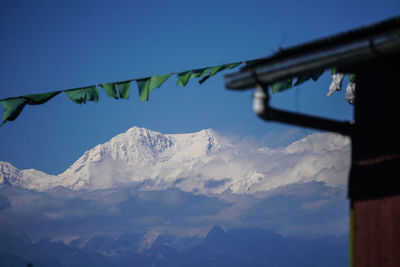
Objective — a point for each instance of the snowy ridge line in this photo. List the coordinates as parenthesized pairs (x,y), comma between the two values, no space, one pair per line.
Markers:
(203,162)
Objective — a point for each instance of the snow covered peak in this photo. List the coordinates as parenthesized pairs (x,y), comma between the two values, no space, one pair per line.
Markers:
(140,154)
(138,133)
(318,142)
(8,173)
(31,179)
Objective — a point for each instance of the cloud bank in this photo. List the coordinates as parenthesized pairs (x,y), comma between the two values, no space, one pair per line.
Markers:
(299,189)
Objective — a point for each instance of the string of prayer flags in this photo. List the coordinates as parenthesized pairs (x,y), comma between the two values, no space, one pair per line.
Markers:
(121,90)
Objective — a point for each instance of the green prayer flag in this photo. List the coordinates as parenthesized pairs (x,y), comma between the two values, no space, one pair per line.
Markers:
(309,75)
(281,85)
(232,65)
(352,78)
(38,99)
(252,62)
(146,85)
(214,70)
(198,73)
(302,78)
(144,91)
(183,77)
(211,72)
(157,80)
(111,89)
(81,95)
(12,107)
(123,89)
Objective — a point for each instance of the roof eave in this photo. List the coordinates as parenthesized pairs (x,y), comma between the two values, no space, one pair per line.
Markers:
(333,55)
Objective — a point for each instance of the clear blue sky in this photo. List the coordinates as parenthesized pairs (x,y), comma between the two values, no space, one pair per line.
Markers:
(53,45)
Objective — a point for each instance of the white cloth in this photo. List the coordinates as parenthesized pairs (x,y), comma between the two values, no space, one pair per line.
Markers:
(336,84)
(350,93)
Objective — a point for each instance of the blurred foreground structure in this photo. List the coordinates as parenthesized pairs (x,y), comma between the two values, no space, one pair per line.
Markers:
(372,53)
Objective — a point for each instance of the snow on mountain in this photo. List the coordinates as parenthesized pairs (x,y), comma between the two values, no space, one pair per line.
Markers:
(202,162)
(9,174)
(138,155)
(30,178)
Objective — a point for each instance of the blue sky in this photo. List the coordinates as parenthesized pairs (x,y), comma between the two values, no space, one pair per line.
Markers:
(53,45)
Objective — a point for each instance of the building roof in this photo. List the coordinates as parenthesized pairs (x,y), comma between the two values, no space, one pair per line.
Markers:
(339,50)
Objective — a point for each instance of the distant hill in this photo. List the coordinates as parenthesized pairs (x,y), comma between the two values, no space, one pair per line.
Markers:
(234,247)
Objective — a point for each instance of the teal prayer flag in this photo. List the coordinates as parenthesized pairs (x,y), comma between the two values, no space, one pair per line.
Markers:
(211,72)
(147,85)
(281,85)
(111,89)
(309,75)
(302,78)
(12,108)
(183,78)
(198,73)
(38,99)
(352,78)
(81,95)
(232,65)
(143,85)
(123,89)
(214,70)
(157,80)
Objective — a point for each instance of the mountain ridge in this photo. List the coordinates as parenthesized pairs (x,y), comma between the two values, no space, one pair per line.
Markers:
(203,162)
(233,247)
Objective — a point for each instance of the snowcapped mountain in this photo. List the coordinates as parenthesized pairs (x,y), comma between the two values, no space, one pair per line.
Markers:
(202,162)
(140,154)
